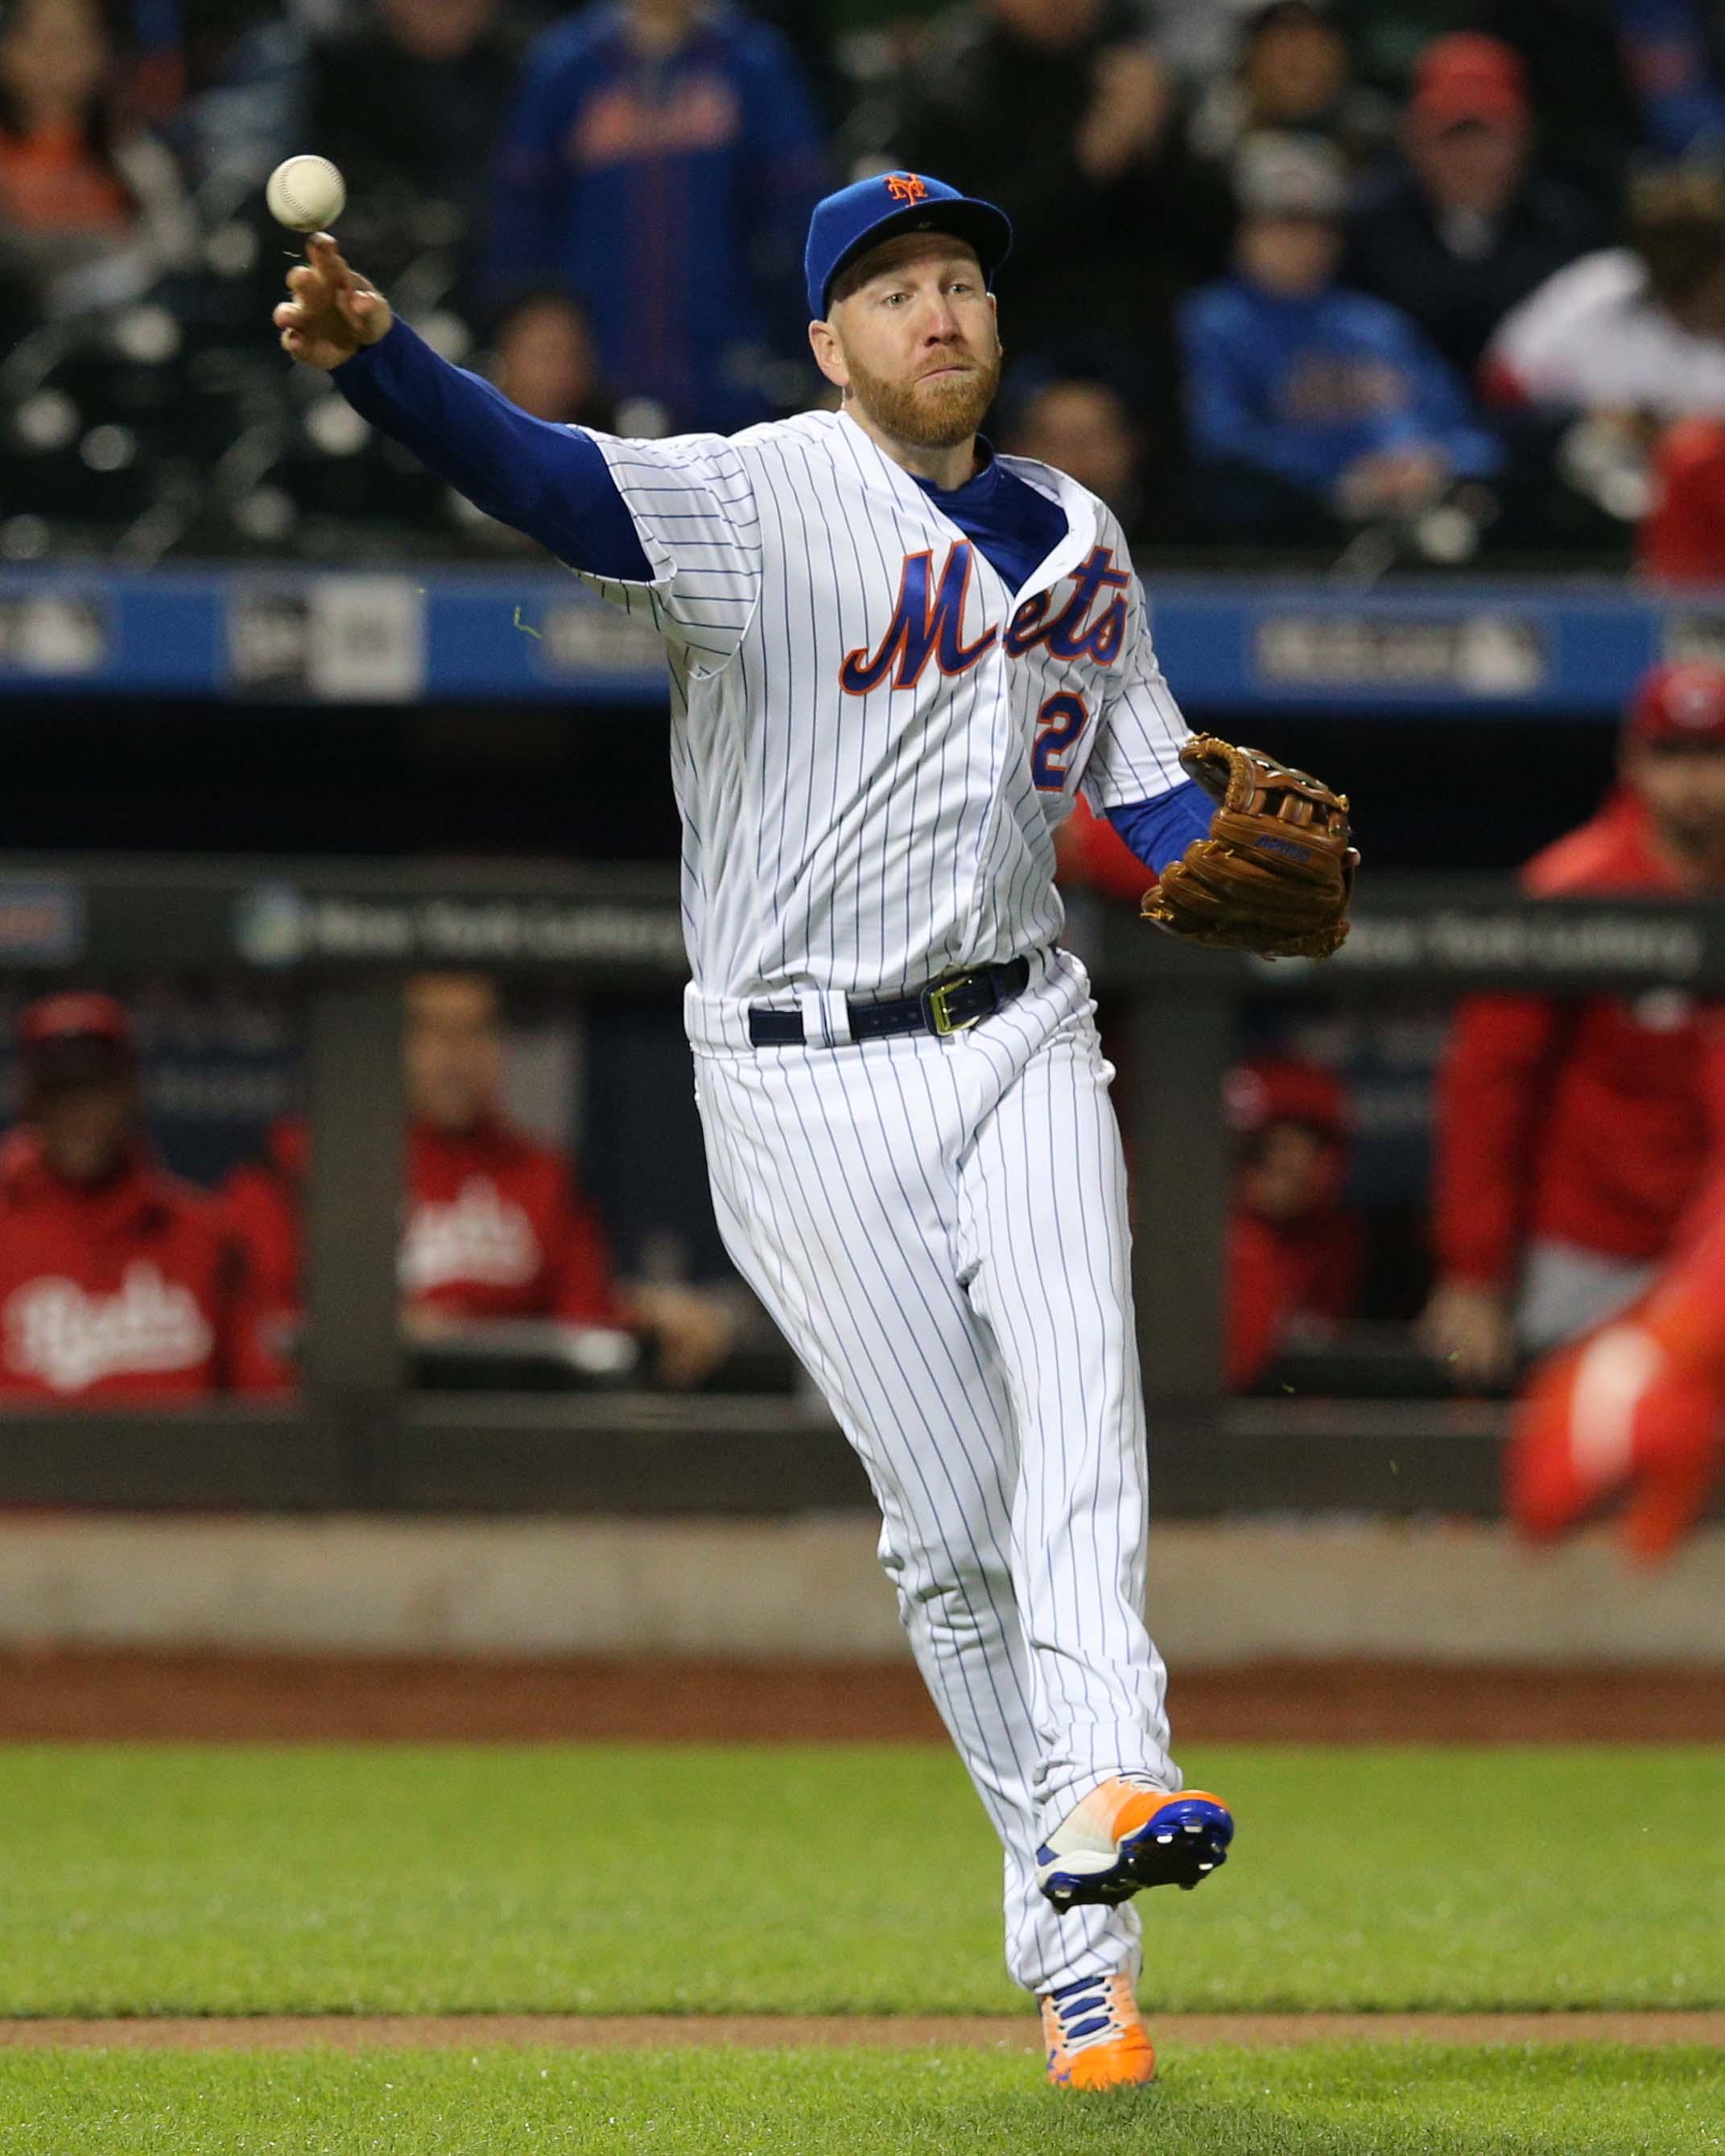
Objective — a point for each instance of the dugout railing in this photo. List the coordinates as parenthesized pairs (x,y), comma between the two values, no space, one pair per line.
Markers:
(340,939)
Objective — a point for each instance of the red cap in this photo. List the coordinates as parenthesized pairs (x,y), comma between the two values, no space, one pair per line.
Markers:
(76,1036)
(1274,1089)
(1469,76)
(1679,703)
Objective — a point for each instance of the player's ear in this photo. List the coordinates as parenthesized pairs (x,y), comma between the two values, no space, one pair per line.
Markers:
(828,355)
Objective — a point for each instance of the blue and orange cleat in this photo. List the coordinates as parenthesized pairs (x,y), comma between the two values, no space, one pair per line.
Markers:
(1128,1834)
(1096,2036)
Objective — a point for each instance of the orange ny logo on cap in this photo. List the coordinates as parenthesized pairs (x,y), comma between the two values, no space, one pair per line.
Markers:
(906,187)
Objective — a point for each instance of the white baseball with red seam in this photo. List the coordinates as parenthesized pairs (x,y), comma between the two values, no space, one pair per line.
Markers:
(305,194)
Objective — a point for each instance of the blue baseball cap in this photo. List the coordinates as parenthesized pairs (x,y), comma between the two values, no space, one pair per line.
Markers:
(860,216)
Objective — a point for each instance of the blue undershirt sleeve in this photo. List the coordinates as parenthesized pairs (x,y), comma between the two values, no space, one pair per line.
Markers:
(549,481)
(1159,831)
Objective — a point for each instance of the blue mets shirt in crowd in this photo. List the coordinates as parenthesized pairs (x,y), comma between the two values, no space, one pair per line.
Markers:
(672,195)
(1298,388)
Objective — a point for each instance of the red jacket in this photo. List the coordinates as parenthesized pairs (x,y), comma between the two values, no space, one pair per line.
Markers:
(495,1227)
(1089,851)
(1681,540)
(135,1289)
(1282,1272)
(1584,1122)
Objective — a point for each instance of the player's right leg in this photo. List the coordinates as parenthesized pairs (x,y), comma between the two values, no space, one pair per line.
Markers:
(832,1174)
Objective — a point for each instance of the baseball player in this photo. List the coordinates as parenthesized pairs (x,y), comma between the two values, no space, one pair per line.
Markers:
(1574,1135)
(894,658)
(118,1282)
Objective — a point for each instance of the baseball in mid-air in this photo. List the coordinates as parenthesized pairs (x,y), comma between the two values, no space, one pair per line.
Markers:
(305,194)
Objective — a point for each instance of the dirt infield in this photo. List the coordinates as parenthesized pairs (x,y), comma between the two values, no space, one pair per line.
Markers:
(78,1695)
(969,2032)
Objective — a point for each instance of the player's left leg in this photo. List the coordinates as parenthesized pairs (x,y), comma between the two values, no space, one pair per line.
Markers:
(1045,1203)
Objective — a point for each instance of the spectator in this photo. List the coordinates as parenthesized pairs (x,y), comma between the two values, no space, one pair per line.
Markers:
(1295,1250)
(1060,111)
(117,1282)
(1307,404)
(1461,228)
(91,210)
(1605,355)
(660,170)
(1674,68)
(550,366)
(1293,73)
(1083,424)
(1636,331)
(1577,81)
(495,1225)
(1571,1137)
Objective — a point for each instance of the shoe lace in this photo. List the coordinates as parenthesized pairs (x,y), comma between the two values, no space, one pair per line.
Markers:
(1091,2010)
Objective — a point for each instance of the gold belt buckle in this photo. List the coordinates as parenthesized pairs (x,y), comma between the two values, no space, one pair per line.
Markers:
(944,1022)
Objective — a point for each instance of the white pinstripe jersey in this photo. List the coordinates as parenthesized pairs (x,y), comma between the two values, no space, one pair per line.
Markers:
(873,737)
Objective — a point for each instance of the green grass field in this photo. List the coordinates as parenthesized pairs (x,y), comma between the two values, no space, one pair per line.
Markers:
(1359,2100)
(609,1880)
(188,1880)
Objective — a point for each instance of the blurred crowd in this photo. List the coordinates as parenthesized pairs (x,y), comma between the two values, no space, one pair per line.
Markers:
(1401,280)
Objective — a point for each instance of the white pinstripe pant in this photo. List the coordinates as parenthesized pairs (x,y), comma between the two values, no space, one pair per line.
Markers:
(939,1227)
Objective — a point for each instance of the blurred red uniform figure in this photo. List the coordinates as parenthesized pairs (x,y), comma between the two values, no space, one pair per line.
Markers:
(1088,849)
(264,1199)
(117,1282)
(1572,1136)
(1636,1410)
(495,1225)
(1295,1250)
(1681,541)
(496,1228)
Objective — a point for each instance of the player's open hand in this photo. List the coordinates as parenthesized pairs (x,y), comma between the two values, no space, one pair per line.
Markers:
(333,312)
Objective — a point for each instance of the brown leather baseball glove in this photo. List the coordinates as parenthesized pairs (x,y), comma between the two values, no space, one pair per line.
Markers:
(1276,872)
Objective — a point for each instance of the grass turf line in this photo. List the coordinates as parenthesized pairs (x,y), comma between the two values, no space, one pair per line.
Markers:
(1416,2100)
(609,1879)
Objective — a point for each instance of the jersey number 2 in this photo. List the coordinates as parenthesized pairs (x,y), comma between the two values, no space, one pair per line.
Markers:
(1059,724)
